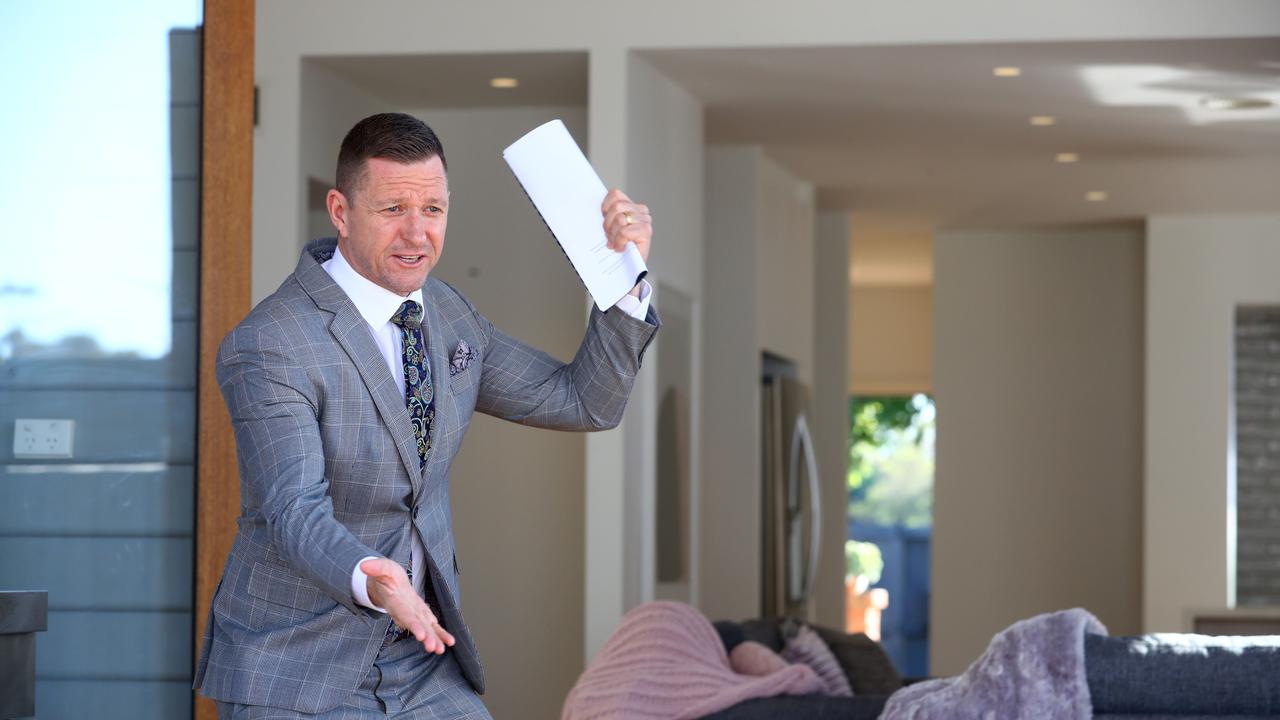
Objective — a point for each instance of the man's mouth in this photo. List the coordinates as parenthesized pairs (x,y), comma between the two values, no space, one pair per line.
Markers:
(410,260)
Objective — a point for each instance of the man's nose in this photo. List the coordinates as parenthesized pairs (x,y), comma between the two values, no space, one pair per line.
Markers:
(415,226)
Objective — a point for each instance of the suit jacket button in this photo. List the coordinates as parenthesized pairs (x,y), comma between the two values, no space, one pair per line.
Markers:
(415,512)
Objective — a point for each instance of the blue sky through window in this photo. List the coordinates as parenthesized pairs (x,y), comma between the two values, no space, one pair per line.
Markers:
(86,247)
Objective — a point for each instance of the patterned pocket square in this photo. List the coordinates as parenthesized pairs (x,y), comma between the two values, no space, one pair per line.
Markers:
(462,358)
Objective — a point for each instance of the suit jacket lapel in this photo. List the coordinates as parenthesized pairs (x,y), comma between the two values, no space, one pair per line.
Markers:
(352,333)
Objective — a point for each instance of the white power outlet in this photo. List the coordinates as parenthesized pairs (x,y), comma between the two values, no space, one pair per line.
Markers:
(34,438)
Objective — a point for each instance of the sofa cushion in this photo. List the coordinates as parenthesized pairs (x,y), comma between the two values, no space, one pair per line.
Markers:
(869,669)
(764,631)
(806,647)
(730,634)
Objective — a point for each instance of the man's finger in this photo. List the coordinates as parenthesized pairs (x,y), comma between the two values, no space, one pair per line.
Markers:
(614,196)
(445,635)
(622,206)
(434,644)
(617,222)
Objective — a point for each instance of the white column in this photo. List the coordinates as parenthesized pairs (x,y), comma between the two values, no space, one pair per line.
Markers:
(603,602)
(831,404)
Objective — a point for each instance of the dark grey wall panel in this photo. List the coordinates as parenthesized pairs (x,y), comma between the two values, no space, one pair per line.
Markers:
(185,81)
(186,214)
(184,134)
(1257,443)
(186,284)
(175,371)
(144,499)
(111,425)
(116,700)
(115,646)
(100,573)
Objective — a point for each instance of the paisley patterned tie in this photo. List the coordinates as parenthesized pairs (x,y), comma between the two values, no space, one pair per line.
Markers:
(418,394)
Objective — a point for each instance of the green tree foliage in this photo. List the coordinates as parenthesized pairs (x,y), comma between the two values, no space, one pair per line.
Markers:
(863,558)
(891,465)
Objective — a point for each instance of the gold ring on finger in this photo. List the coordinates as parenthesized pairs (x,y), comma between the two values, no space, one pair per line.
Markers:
(629,219)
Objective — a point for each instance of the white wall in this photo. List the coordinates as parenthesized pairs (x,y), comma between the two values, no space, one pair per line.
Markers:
(730,498)
(1038,381)
(1198,270)
(760,255)
(784,308)
(830,412)
(664,171)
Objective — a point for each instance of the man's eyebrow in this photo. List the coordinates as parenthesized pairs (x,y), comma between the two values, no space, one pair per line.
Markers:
(404,199)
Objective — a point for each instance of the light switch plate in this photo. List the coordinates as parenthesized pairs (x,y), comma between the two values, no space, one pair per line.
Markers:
(42,438)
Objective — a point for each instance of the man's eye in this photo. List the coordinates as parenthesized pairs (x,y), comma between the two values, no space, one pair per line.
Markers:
(394,208)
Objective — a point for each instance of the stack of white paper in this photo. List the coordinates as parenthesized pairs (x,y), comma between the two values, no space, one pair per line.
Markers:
(568,194)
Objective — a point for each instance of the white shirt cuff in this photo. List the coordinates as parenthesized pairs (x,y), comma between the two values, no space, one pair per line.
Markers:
(637,308)
(360,586)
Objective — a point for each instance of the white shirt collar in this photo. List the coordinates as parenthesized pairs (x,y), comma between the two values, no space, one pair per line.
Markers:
(375,303)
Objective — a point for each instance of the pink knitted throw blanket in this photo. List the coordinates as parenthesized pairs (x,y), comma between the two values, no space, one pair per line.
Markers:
(667,661)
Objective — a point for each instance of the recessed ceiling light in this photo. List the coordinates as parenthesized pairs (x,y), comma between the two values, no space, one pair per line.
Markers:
(1096,196)
(1043,120)
(1066,157)
(1235,103)
(503,83)
(1007,72)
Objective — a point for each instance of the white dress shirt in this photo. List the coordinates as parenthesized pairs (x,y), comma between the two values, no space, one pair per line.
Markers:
(377,305)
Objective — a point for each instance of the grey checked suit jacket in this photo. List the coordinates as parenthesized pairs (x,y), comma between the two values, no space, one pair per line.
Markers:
(329,473)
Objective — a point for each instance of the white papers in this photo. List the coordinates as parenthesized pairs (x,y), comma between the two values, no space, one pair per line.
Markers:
(568,194)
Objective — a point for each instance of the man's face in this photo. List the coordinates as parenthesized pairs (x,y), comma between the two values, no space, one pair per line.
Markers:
(392,228)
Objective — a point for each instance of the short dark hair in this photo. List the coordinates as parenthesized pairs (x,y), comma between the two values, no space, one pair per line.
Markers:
(390,136)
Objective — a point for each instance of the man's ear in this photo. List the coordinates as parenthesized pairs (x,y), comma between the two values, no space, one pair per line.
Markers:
(338,209)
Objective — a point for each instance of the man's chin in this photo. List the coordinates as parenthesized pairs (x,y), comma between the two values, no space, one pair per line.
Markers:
(404,285)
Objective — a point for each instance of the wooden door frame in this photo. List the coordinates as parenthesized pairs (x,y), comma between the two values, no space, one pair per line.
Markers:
(226,253)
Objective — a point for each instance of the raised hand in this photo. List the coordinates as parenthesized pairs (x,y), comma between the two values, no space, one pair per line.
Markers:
(626,221)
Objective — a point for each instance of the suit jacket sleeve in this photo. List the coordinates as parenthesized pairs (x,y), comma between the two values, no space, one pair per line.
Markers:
(273,404)
(525,385)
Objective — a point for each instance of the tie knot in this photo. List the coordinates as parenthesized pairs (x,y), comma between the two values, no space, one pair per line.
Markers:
(409,315)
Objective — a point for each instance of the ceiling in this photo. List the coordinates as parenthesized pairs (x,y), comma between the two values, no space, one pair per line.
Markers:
(921,137)
(924,137)
(462,79)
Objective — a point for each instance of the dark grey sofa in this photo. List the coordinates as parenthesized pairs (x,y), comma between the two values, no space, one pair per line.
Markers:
(1130,678)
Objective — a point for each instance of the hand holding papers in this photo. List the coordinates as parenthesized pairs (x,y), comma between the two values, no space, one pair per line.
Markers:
(568,193)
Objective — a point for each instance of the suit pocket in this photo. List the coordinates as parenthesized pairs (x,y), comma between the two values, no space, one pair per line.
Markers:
(280,586)
(462,382)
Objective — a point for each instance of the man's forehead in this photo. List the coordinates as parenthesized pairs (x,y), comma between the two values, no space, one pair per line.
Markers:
(385,175)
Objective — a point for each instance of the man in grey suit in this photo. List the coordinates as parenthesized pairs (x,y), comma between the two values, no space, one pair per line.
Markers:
(350,389)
